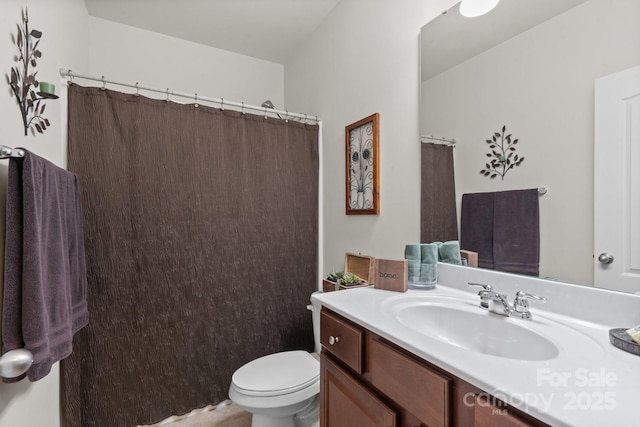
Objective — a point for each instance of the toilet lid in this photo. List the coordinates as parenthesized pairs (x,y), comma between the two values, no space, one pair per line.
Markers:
(278,373)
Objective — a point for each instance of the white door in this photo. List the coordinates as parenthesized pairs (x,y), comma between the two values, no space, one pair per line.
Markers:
(617,181)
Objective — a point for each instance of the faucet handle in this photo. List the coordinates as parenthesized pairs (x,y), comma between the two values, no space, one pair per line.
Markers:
(483,286)
(483,294)
(523,295)
(521,303)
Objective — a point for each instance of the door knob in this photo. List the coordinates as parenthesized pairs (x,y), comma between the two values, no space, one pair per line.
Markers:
(605,258)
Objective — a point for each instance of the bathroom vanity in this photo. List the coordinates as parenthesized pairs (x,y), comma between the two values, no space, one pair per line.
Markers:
(395,388)
(435,358)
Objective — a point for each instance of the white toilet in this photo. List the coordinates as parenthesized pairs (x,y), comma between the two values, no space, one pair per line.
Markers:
(281,389)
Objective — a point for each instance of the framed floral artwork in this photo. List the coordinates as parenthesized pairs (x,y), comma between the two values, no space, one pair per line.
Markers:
(362,166)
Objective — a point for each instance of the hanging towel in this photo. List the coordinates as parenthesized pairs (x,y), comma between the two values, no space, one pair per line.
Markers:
(476,226)
(516,234)
(504,229)
(45,279)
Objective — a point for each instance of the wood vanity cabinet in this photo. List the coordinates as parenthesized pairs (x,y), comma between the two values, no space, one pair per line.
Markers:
(366,381)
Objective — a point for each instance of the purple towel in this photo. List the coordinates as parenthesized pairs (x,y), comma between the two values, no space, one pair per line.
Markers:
(503,228)
(516,232)
(45,280)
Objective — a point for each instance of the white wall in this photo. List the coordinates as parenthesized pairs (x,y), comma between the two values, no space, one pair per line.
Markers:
(540,85)
(364,58)
(129,55)
(63,44)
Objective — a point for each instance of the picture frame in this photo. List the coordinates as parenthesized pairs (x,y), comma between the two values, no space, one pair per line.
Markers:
(362,166)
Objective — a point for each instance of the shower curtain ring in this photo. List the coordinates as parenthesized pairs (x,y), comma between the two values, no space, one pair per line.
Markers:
(222,104)
(196,98)
(243,113)
(167,95)
(286,116)
(265,113)
(104,84)
(137,90)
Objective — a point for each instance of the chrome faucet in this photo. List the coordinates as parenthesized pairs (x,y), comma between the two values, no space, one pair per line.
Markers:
(499,303)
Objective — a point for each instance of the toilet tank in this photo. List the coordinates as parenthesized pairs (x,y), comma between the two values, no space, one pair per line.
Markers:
(315,315)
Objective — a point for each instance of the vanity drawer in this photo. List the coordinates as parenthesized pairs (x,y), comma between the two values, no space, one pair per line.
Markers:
(411,385)
(342,339)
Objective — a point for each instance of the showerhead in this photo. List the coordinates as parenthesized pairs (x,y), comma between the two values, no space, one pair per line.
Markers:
(269,104)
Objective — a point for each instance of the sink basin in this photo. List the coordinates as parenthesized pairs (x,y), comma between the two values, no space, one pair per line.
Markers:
(474,329)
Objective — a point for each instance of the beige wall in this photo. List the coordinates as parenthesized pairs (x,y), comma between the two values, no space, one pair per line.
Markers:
(127,54)
(540,85)
(364,59)
(63,44)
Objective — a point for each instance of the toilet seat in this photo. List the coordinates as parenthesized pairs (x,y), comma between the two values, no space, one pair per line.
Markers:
(277,374)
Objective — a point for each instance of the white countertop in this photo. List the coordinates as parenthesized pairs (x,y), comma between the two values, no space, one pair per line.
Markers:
(588,384)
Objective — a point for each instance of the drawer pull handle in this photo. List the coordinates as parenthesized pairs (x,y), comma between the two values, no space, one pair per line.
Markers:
(333,340)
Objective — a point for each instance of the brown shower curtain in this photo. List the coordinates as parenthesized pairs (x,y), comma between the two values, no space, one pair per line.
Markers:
(438,218)
(201,241)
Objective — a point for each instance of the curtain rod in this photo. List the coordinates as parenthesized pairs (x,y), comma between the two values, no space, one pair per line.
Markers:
(283,114)
(431,139)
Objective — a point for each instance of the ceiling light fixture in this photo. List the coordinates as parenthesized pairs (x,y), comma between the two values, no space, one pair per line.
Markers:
(474,8)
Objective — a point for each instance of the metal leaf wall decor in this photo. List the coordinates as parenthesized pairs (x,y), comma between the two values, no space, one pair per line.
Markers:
(503,155)
(23,79)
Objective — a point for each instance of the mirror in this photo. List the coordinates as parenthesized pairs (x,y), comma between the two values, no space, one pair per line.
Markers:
(530,65)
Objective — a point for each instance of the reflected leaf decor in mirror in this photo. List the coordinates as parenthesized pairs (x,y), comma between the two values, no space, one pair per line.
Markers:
(503,155)
(23,80)
(362,167)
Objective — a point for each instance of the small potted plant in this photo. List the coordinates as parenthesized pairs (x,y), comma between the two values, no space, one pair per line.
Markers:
(337,280)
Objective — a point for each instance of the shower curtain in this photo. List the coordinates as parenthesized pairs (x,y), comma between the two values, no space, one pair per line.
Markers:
(438,218)
(201,241)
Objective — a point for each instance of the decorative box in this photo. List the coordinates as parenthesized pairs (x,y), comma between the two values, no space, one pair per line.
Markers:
(362,266)
(392,275)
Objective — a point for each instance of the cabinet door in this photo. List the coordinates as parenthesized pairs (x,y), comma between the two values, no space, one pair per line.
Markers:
(345,402)
(487,414)
(410,385)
